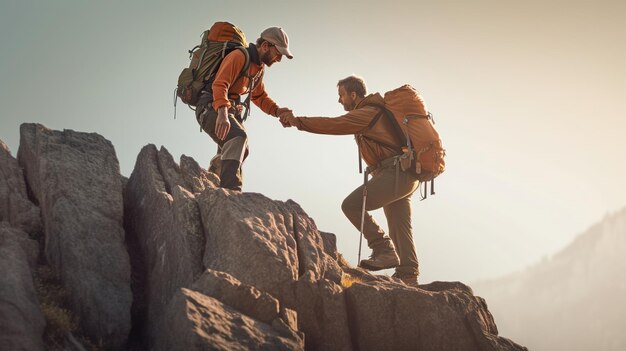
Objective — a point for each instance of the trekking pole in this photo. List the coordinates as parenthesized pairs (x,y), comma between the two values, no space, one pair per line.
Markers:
(367,171)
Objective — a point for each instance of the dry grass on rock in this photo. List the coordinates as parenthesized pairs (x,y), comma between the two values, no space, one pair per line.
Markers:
(61,323)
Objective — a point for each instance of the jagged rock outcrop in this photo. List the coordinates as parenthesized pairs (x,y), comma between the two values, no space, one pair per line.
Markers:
(200,322)
(248,300)
(330,244)
(248,240)
(394,317)
(29,246)
(15,207)
(254,319)
(195,177)
(181,224)
(75,178)
(276,247)
(322,312)
(21,320)
(244,298)
(211,268)
(165,235)
(262,242)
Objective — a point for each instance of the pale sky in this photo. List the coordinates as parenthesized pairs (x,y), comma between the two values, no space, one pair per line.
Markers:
(527,95)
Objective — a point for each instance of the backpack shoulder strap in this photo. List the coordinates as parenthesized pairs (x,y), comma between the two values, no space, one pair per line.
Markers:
(400,135)
(246,64)
(377,117)
(244,73)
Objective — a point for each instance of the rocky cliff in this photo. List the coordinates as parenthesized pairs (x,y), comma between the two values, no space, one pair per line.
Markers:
(165,260)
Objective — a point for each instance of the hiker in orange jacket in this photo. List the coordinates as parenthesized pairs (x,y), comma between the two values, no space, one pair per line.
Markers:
(219,108)
(390,187)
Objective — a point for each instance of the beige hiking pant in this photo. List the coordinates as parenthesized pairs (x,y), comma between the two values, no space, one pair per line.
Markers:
(381,192)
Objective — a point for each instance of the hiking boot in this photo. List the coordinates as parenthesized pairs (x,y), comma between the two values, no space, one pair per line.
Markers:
(407,279)
(383,256)
(230,175)
(215,166)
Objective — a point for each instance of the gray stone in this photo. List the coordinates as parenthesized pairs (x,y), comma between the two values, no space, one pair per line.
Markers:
(248,300)
(392,316)
(247,237)
(29,246)
(165,236)
(244,298)
(311,247)
(290,317)
(262,242)
(438,286)
(330,244)
(196,178)
(199,322)
(272,275)
(187,217)
(75,179)
(21,320)
(321,310)
(15,207)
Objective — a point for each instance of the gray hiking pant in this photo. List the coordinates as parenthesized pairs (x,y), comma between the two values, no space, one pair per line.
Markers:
(395,199)
(233,149)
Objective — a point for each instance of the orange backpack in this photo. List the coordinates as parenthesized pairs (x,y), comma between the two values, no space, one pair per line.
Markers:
(422,150)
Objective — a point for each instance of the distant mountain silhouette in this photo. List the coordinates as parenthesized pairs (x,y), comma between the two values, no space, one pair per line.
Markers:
(575,300)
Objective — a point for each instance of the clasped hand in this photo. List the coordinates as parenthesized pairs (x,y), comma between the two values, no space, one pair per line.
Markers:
(286,117)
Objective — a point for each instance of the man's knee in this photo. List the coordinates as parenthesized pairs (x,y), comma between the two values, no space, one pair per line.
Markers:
(350,205)
(236,132)
(234,149)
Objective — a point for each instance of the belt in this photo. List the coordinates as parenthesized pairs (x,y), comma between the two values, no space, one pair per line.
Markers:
(208,105)
(388,162)
(393,161)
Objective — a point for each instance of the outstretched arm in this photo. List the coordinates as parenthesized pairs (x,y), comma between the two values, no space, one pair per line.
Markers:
(353,122)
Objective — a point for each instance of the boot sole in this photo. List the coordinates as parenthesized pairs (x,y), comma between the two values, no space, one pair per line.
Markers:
(376,268)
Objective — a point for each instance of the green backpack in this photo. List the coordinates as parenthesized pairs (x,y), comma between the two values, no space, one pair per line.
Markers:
(217,42)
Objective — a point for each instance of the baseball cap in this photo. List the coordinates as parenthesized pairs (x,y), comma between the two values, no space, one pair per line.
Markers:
(279,38)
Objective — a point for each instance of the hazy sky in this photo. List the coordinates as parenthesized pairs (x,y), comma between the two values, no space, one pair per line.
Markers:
(527,95)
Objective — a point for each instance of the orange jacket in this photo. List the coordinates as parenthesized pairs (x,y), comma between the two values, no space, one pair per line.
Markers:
(376,143)
(227,85)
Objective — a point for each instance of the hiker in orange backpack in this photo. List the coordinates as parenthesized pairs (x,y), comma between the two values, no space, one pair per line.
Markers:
(219,110)
(394,165)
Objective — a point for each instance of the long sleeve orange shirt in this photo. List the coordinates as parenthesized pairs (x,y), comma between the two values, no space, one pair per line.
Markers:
(227,83)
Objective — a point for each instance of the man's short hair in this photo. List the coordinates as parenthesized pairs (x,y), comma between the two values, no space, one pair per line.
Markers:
(355,84)
(260,42)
